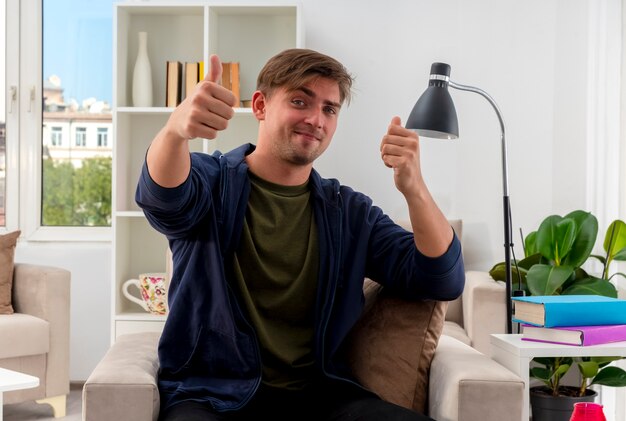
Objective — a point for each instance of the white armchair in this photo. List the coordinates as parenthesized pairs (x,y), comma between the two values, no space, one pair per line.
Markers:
(36,338)
(461,378)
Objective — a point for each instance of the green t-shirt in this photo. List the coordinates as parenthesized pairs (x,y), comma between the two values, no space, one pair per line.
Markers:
(276,268)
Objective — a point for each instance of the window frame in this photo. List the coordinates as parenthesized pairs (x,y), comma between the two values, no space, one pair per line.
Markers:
(12,111)
(31,132)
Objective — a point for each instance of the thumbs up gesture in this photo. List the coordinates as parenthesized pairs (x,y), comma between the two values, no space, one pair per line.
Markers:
(399,149)
(206,110)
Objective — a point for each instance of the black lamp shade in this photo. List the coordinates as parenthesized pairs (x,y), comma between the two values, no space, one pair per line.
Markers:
(434,114)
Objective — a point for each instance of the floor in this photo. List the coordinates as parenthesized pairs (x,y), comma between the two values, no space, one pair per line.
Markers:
(32,411)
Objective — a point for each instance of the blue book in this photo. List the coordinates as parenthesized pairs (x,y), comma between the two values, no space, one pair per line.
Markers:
(569,310)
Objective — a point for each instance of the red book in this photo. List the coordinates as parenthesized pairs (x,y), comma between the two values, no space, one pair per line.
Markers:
(575,335)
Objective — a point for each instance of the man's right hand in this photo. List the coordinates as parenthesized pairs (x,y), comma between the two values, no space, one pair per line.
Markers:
(206,110)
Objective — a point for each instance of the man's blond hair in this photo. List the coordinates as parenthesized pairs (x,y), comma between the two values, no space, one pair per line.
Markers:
(292,68)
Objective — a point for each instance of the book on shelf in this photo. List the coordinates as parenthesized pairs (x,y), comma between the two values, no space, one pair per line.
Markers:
(575,335)
(569,310)
(230,78)
(193,75)
(173,84)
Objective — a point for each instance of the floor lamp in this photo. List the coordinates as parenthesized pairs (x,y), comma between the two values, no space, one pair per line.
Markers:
(434,116)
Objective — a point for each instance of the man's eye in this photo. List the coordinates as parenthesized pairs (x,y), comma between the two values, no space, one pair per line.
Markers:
(297,102)
(331,110)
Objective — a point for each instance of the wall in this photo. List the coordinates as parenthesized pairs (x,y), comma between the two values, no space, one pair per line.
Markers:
(530,56)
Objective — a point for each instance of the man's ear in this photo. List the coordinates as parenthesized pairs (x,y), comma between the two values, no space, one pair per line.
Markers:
(258,105)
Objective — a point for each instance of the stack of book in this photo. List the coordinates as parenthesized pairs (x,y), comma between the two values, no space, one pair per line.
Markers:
(581,320)
(182,78)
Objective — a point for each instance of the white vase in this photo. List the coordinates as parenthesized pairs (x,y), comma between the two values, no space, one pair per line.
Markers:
(142,75)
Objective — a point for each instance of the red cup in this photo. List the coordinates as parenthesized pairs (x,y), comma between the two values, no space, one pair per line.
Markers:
(587,411)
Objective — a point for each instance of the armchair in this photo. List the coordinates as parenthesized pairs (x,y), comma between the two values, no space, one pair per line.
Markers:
(460,379)
(38,333)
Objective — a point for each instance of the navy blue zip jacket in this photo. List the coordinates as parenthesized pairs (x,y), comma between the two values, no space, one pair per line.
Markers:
(208,350)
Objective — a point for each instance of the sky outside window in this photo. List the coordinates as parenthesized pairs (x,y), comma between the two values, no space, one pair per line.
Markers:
(78,46)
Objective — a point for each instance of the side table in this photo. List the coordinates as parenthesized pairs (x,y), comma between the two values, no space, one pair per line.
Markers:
(13,380)
(515,354)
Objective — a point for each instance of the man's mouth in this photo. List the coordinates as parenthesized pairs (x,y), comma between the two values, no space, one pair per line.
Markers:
(311,135)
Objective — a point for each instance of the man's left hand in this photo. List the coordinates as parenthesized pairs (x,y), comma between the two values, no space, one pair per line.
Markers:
(400,150)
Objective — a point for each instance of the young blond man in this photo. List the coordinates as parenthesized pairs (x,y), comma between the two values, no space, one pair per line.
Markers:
(269,257)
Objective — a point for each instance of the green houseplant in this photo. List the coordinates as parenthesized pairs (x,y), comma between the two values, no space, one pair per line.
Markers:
(593,370)
(555,402)
(555,253)
(553,261)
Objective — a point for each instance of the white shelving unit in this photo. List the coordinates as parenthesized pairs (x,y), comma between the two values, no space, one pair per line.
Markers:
(184,32)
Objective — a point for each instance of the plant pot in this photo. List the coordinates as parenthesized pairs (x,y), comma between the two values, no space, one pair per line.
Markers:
(546,407)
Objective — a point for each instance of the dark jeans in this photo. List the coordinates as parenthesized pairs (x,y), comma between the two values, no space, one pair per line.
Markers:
(328,401)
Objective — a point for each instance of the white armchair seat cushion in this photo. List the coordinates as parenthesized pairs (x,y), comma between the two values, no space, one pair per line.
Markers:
(26,334)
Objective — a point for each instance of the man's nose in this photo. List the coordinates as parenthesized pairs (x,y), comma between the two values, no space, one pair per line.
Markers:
(315,117)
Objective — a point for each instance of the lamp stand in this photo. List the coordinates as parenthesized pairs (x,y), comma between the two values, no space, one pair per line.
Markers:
(508,245)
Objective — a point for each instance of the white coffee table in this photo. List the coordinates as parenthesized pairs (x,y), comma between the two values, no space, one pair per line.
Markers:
(12,380)
(515,354)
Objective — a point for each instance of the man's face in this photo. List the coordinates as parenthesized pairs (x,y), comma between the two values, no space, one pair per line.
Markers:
(300,124)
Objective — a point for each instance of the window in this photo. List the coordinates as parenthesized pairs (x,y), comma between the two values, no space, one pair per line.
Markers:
(103,137)
(55,91)
(56,136)
(81,136)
